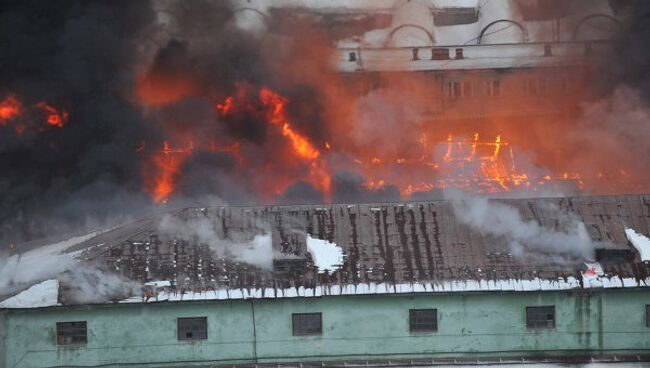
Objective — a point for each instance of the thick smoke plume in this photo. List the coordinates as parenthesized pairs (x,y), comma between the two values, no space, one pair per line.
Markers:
(145,87)
(525,237)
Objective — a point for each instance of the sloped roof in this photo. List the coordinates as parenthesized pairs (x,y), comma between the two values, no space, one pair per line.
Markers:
(386,248)
(381,243)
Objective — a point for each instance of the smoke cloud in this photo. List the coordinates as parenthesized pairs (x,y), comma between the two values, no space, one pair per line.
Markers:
(252,248)
(140,81)
(82,281)
(525,238)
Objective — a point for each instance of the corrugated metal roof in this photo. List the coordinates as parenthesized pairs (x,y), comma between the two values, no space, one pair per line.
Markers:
(418,243)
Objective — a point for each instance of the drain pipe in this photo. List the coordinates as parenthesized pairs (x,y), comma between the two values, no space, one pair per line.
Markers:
(254,331)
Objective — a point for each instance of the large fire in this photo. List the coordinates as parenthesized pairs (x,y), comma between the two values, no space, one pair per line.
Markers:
(485,166)
(390,135)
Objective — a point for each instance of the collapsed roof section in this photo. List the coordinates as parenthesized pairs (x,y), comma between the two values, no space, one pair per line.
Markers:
(372,248)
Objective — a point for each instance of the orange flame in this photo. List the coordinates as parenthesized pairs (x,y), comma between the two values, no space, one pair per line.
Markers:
(304,152)
(55,117)
(164,169)
(10,108)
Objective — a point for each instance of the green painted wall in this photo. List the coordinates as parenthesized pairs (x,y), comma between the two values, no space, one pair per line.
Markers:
(354,327)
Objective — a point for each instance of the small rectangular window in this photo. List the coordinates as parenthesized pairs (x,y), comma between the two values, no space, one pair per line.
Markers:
(423,320)
(493,88)
(195,328)
(71,333)
(307,324)
(439,54)
(540,317)
(467,89)
(457,90)
(647,315)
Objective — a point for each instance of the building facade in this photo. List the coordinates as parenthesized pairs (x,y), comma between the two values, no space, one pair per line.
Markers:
(415,328)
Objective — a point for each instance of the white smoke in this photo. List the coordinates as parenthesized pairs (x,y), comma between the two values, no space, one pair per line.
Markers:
(523,236)
(255,249)
(38,264)
(85,283)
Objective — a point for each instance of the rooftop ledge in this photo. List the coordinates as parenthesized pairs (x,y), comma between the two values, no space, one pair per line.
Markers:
(460,57)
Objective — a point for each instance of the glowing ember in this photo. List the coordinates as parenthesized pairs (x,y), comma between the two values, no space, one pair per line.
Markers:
(53,116)
(10,108)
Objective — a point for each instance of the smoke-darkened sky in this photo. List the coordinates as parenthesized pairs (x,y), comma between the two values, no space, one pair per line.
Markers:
(128,82)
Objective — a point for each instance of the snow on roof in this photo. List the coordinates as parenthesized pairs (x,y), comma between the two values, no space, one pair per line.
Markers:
(536,284)
(327,256)
(158,284)
(45,294)
(640,242)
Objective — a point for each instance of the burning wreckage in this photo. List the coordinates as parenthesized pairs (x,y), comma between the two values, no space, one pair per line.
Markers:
(395,119)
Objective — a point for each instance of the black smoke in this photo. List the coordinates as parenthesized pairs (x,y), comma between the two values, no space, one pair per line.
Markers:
(86,57)
(77,55)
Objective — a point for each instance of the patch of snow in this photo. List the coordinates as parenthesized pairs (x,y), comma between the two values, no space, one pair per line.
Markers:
(536,284)
(45,294)
(159,284)
(640,242)
(327,256)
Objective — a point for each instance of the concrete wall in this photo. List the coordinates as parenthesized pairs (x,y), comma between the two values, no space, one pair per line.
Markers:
(3,353)
(354,327)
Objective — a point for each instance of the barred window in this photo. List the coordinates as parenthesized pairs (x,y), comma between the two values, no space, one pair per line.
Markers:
(493,88)
(195,328)
(456,90)
(439,54)
(540,317)
(71,333)
(307,324)
(423,320)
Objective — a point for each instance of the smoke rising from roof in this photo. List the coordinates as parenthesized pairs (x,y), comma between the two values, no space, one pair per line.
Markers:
(255,249)
(570,243)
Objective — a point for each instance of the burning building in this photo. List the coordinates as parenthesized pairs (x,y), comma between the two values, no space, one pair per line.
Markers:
(422,283)
(318,174)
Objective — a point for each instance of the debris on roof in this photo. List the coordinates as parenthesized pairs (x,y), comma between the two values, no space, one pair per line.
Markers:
(592,274)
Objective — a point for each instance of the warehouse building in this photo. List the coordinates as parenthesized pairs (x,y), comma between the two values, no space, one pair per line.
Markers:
(342,284)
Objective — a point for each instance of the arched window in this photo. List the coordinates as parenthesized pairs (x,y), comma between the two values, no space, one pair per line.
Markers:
(503,31)
(411,35)
(596,27)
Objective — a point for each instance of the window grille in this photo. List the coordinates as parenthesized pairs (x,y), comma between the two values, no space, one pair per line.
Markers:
(71,333)
(307,324)
(195,328)
(540,317)
(439,54)
(423,320)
